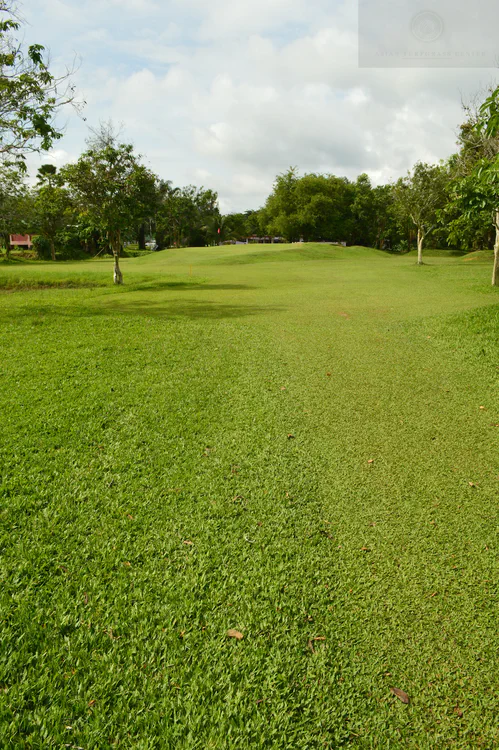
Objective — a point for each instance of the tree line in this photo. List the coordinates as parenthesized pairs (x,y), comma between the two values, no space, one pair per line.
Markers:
(110,197)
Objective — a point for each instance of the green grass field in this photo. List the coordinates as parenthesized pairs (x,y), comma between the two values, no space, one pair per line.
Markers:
(299,443)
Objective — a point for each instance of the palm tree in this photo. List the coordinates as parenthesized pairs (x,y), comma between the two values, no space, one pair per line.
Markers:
(218,229)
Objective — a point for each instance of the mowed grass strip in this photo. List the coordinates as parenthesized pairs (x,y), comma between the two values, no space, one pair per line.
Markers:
(303,451)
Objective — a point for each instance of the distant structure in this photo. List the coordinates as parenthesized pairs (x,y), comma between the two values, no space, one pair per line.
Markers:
(264,240)
(21,240)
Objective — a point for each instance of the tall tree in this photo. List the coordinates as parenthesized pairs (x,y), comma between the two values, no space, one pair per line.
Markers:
(12,200)
(52,205)
(30,94)
(114,189)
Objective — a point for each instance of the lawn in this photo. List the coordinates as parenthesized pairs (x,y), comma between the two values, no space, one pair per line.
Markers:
(298,443)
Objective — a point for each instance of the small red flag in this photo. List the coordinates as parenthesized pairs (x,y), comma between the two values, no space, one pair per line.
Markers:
(218,230)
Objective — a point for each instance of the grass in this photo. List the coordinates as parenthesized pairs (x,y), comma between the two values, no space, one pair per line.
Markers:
(293,449)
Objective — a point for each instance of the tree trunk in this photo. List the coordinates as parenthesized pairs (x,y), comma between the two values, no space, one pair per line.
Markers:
(6,241)
(141,237)
(116,245)
(495,270)
(52,249)
(420,247)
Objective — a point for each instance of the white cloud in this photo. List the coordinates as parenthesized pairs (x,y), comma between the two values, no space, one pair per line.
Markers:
(231,93)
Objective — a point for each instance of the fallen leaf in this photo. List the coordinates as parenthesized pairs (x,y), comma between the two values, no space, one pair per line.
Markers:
(85,598)
(235,634)
(328,374)
(290,436)
(283,388)
(188,542)
(458,711)
(128,564)
(129,516)
(400,694)
(472,484)
(311,642)
(365,549)
(371,461)
(482,407)
(92,702)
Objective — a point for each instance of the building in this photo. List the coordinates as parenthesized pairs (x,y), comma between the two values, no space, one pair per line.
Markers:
(24,241)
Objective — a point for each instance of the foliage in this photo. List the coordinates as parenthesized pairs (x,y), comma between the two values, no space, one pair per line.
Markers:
(30,94)
(112,189)
(420,196)
(13,203)
(476,194)
(53,211)
(183,215)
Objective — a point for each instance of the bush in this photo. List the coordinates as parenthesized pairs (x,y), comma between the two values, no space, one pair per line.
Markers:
(42,248)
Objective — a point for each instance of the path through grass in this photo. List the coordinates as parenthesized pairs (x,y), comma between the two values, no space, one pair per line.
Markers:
(299,449)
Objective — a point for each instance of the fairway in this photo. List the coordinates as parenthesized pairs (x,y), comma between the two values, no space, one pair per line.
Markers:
(299,443)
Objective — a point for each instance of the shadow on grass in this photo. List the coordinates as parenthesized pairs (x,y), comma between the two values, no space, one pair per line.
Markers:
(157,286)
(194,309)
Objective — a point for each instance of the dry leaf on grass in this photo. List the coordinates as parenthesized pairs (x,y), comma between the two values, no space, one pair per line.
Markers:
(400,694)
(311,642)
(235,634)
(188,542)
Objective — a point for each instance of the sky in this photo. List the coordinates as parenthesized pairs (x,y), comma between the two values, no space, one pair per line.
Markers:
(229,93)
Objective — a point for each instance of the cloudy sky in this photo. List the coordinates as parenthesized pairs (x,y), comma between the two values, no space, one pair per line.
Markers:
(228,93)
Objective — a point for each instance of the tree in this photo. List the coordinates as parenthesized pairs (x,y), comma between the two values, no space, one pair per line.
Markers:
(52,205)
(364,212)
(114,189)
(219,228)
(420,195)
(30,94)
(280,214)
(12,199)
(183,214)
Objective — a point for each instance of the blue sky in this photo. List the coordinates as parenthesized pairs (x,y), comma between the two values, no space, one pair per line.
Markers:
(227,94)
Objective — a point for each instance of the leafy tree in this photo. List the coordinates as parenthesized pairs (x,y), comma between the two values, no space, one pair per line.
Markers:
(364,212)
(52,206)
(13,203)
(280,214)
(315,207)
(113,189)
(183,215)
(420,196)
(219,228)
(30,94)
